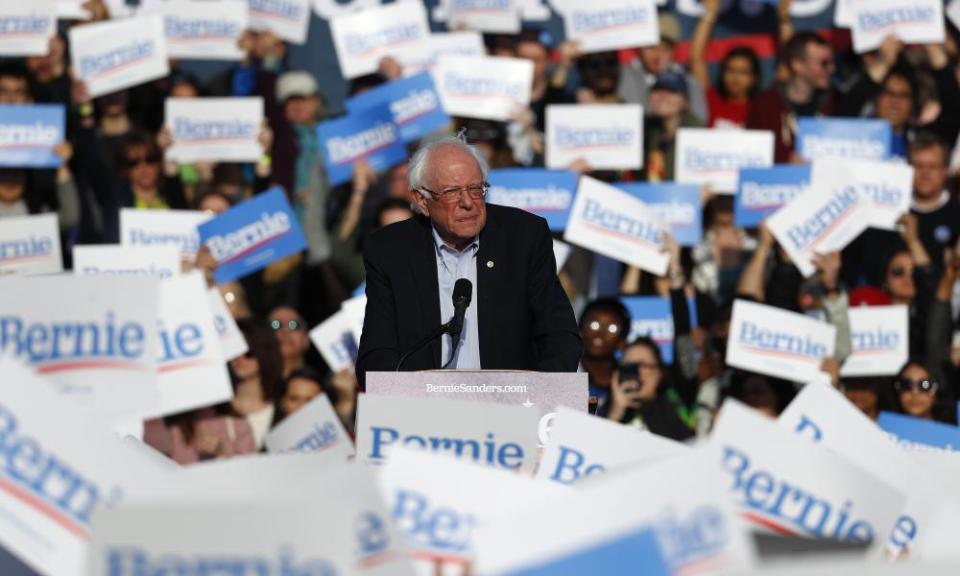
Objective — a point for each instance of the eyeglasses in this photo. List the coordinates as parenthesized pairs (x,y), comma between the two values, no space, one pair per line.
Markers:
(906,384)
(899,271)
(597,326)
(897,94)
(137,161)
(292,325)
(452,195)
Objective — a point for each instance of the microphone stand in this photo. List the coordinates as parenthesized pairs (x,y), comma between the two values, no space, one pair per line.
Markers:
(440,331)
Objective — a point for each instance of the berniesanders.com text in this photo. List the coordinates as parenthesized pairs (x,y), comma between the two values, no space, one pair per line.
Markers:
(476,389)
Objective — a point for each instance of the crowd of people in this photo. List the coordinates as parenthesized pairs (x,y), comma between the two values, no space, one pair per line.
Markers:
(114,157)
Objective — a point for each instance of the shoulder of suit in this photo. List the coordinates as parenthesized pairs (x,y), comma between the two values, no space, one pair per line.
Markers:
(395,235)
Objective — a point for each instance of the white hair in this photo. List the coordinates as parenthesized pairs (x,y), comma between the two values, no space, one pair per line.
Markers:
(417,170)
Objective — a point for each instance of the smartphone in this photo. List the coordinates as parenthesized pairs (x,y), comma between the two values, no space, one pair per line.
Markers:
(630,373)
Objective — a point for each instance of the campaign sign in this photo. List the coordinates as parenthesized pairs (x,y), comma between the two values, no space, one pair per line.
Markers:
(413,101)
(618,556)
(491,16)
(715,157)
(886,186)
(28,135)
(483,87)
(333,338)
(582,445)
(604,135)
(59,467)
(561,251)
(315,427)
(825,218)
(784,484)
(363,38)
(328,9)
(915,433)
(762,191)
(204,30)
(464,43)
(913,22)
(952,11)
(116,54)
(773,341)
(26,27)
(215,129)
(118,260)
(355,309)
(30,245)
(824,415)
(288,19)
(72,10)
(496,435)
(677,205)
(232,342)
(438,502)
(602,25)
(546,193)
(693,522)
(881,341)
(91,336)
(614,223)
(251,235)
(653,316)
(162,228)
(369,134)
(848,138)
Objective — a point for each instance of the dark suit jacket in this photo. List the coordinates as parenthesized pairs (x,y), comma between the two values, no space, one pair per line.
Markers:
(525,321)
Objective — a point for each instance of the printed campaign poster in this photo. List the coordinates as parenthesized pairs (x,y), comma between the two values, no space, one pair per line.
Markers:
(461,43)
(215,129)
(762,191)
(163,228)
(601,25)
(333,338)
(119,260)
(483,87)
(843,138)
(209,30)
(232,342)
(886,186)
(315,427)
(602,135)
(363,38)
(546,193)
(370,134)
(27,27)
(918,434)
(413,101)
(288,19)
(715,157)
(490,16)
(28,135)
(913,22)
(676,205)
(880,337)
(116,54)
(652,316)
(30,245)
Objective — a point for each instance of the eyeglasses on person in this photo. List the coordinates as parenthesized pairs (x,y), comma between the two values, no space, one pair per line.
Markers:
(926,385)
(452,195)
(291,325)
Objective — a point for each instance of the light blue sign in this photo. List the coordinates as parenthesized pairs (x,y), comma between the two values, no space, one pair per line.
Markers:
(763,191)
(370,134)
(912,430)
(251,235)
(675,204)
(633,553)
(413,101)
(652,316)
(858,138)
(547,193)
(28,135)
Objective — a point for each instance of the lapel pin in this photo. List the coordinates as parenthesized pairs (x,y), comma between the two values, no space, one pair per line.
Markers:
(489,263)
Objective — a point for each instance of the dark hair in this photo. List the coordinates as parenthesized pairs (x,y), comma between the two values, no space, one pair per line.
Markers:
(796,48)
(390,204)
(365,82)
(18,70)
(304,373)
(265,349)
(782,390)
(135,139)
(943,410)
(752,59)
(611,306)
(925,140)
(209,194)
(650,344)
(906,73)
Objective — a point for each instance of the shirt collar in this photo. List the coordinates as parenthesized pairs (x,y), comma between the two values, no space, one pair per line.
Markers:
(440,245)
(944,198)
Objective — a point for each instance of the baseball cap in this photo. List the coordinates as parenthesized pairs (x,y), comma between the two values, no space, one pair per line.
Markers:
(671,80)
(296,84)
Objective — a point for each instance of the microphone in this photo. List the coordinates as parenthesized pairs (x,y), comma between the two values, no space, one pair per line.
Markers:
(462,295)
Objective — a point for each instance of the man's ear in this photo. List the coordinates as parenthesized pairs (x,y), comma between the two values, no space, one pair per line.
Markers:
(421,203)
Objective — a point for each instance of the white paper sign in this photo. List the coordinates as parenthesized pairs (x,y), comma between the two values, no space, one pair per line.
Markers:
(116,260)
(487,87)
(715,157)
(825,218)
(72,10)
(215,129)
(952,11)
(842,17)
(315,427)
(334,339)
(881,341)
(824,415)
(117,54)
(30,245)
(604,135)
(561,251)
(60,465)
(615,224)
(601,25)
(288,19)
(362,39)
(914,22)
(494,16)
(582,445)
(466,43)
(786,485)
(497,435)
(163,228)
(777,342)
(232,342)
(204,30)
(355,309)
(331,8)
(27,27)
(886,186)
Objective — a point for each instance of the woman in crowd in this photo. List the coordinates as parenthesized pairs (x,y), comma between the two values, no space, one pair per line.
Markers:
(921,396)
(256,377)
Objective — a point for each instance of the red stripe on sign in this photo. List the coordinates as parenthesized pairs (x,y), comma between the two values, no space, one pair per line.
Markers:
(769,524)
(255,247)
(440,558)
(42,507)
(89,365)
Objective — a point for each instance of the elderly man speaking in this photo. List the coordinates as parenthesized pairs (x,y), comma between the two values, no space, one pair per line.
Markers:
(494,263)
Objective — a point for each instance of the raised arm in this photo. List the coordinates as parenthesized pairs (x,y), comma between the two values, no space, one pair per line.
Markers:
(701,37)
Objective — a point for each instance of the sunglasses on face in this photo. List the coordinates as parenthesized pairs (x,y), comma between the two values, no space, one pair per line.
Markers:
(292,325)
(905,384)
(900,271)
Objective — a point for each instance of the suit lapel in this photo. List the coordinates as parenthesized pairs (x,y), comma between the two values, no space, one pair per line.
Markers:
(487,254)
(423,263)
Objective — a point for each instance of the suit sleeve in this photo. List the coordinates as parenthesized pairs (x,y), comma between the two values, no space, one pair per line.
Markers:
(556,335)
(379,342)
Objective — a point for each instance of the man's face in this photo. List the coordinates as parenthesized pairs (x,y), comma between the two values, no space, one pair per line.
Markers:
(10,191)
(299,392)
(895,101)
(817,67)
(929,172)
(602,334)
(864,398)
(657,58)
(536,53)
(457,216)
(667,103)
(290,331)
(14,90)
(302,109)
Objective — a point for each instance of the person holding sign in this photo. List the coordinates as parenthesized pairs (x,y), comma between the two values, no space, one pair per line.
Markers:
(920,396)
(509,308)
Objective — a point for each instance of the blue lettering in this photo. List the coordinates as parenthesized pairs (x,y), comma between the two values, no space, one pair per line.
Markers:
(42,342)
(807,425)
(440,528)
(572,460)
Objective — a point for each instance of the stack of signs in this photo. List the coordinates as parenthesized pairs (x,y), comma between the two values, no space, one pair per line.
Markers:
(28,135)
(413,101)
(333,338)
(163,228)
(118,260)
(492,16)
(30,245)
(782,344)
(784,484)
(880,337)
(117,54)
(614,223)
(840,138)
(676,205)
(364,38)
(314,427)
(602,25)
(918,434)
(546,193)
(493,88)
(602,135)
(288,19)
(763,191)
(27,27)
(369,134)
(715,157)
(652,316)
(251,235)
(205,30)
(215,129)
(914,22)
(465,43)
